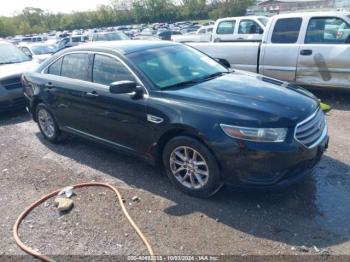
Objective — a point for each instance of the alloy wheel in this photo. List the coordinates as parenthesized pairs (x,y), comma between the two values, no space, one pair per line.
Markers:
(46,123)
(189,167)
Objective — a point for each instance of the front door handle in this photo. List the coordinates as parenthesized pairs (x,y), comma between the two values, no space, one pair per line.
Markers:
(306,52)
(91,94)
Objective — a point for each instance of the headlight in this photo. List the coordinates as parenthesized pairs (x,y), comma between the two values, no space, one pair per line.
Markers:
(255,134)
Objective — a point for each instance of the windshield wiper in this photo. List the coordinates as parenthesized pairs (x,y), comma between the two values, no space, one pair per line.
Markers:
(196,81)
(215,75)
(185,83)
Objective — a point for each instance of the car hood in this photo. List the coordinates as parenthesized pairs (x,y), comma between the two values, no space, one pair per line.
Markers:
(241,98)
(17,69)
(41,58)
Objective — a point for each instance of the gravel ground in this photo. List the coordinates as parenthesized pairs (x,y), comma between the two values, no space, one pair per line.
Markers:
(309,218)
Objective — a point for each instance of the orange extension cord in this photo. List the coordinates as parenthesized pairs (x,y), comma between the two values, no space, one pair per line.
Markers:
(44,198)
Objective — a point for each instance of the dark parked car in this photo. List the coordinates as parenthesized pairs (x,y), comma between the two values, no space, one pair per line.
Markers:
(13,62)
(169,103)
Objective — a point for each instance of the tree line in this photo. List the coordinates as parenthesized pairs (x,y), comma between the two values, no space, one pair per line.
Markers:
(120,12)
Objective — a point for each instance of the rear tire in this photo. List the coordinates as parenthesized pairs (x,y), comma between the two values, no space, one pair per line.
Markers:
(191,167)
(48,125)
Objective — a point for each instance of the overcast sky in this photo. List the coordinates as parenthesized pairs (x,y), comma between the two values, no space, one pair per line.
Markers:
(9,7)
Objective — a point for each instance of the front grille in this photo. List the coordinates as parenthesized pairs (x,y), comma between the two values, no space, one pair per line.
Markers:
(11,83)
(311,130)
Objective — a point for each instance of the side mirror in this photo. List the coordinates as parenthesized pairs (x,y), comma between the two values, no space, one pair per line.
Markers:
(122,87)
(223,62)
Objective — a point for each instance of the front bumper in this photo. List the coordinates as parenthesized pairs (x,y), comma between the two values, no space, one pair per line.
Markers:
(261,166)
(11,99)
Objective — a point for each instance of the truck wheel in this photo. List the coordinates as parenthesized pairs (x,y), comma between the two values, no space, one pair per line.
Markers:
(191,167)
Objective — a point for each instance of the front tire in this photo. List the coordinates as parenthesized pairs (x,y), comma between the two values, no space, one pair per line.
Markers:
(191,167)
(47,124)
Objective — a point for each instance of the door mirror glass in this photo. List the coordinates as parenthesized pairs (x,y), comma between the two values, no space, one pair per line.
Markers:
(223,62)
(122,87)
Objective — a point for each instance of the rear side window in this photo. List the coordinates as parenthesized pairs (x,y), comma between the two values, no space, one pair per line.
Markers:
(327,30)
(55,68)
(75,66)
(226,27)
(107,70)
(76,39)
(249,27)
(286,30)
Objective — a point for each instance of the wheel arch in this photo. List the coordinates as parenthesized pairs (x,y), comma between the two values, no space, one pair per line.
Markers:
(180,130)
(36,101)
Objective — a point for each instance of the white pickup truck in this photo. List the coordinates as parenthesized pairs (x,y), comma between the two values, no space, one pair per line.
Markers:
(309,49)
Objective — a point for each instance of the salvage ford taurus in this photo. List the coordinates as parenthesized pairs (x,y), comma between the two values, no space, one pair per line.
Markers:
(172,105)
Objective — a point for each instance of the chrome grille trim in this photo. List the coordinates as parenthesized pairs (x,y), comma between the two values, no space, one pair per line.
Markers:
(311,131)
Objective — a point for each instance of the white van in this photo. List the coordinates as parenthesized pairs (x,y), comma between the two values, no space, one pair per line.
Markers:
(244,28)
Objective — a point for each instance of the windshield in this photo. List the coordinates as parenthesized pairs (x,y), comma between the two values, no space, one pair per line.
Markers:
(43,49)
(263,20)
(110,37)
(173,65)
(10,54)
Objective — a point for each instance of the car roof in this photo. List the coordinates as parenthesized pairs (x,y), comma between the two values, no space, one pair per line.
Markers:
(32,44)
(124,46)
(309,14)
(107,32)
(241,17)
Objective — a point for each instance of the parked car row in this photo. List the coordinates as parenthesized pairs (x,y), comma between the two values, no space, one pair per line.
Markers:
(203,34)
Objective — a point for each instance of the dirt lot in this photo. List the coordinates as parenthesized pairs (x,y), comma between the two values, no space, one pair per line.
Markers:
(309,218)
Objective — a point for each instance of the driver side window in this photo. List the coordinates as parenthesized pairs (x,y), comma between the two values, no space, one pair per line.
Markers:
(107,70)
(249,27)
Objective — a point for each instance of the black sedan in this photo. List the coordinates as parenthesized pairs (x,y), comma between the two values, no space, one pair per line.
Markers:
(206,125)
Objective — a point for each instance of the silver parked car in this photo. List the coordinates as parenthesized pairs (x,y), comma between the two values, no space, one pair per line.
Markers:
(39,51)
(13,62)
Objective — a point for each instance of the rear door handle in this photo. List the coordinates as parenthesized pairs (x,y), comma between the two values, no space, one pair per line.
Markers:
(91,94)
(306,52)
